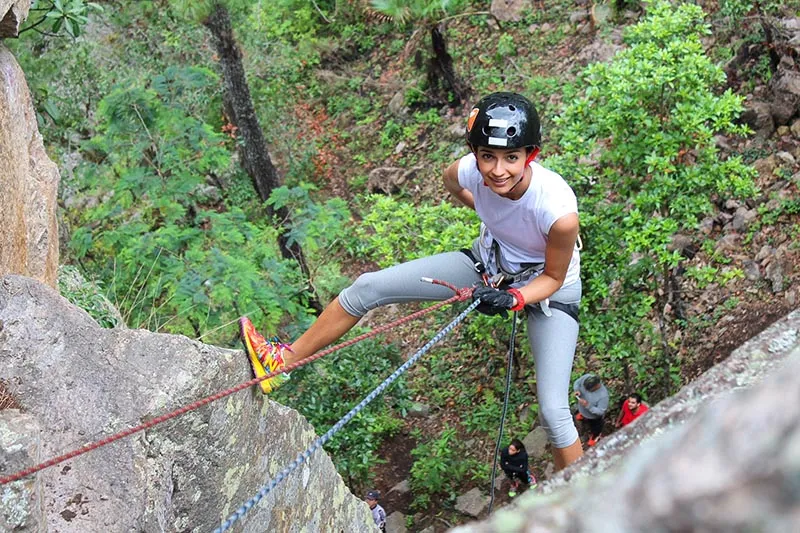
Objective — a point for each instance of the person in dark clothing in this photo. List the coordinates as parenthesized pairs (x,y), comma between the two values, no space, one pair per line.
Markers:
(514,462)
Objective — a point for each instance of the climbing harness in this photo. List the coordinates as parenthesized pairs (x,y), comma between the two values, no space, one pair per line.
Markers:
(302,457)
(509,368)
(503,279)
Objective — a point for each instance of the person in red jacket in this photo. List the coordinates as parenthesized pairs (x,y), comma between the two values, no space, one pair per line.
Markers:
(632,408)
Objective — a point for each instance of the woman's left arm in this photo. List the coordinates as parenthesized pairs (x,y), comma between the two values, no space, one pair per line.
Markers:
(558,253)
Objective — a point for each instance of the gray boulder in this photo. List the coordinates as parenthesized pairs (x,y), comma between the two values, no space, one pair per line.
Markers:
(389,180)
(472,503)
(396,523)
(510,10)
(785,87)
(536,442)
(79,383)
(21,504)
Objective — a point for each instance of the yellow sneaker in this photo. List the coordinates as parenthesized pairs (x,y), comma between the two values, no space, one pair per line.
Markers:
(265,356)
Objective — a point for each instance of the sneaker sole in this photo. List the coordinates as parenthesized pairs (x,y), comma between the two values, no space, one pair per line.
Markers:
(255,364)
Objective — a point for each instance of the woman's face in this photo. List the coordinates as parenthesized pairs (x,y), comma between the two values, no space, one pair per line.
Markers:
(512,450)
(501,168)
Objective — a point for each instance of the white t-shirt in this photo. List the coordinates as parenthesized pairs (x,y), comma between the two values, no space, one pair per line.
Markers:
(520,227)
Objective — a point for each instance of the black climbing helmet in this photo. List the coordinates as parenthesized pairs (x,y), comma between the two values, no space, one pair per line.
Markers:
(504,120)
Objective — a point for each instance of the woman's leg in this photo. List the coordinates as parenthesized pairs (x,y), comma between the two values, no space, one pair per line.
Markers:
(553,340)
(398,284)
(329,326)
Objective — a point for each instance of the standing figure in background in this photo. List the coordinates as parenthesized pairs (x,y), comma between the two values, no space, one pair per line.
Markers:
(378,514)
(514,462)
(592,398)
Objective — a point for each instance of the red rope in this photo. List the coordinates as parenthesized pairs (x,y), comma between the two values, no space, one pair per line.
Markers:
(461,294)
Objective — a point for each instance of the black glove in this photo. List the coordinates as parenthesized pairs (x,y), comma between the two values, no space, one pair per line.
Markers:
(497,302)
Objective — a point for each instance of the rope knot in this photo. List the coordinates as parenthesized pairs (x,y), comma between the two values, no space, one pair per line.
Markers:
(464,293)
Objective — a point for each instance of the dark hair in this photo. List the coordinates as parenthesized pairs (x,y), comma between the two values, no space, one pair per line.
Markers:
(516,443)
(636,396)
(591,382)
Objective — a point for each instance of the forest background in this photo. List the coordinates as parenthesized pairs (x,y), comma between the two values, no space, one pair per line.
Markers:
(184,214)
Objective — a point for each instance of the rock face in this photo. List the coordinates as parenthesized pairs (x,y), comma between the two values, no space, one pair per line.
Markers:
(12,14)
(28,178)
(721,455)
(77,383)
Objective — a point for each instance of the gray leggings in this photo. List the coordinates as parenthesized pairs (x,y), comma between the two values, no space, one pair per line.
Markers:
(553,339)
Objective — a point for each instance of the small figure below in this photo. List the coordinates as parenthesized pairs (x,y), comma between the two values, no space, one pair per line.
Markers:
(632,408)
(592,398)
(514,462)
(378,514)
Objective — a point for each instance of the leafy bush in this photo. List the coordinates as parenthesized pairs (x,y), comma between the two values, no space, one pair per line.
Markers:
(439,468)
(172,253)
(393,231)
(71,15)
(638,147)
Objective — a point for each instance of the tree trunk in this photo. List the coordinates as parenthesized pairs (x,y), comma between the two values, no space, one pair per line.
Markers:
(442,65)
(253,150)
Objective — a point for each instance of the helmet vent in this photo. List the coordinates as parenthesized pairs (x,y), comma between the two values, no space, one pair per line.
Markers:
(511,131)
(511,108)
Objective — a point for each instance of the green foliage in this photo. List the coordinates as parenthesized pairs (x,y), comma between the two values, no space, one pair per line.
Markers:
(317,226)
(318,229)
(89,296)
(506,47)
(439,468)
(646,120)
(402,11)
(326,390)
(69,15)
(736,10)
(393,231)
(484,413)
(288,20)
(173,255)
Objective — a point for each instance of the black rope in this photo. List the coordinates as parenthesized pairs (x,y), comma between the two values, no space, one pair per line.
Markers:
(505,403)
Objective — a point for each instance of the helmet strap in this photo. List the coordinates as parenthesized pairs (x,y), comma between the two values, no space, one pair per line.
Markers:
(521,177)
(532,156)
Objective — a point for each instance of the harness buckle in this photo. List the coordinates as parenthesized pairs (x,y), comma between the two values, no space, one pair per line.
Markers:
(500,278)
(545,305)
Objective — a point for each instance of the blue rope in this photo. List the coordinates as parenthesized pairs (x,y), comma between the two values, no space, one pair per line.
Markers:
(302,457)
